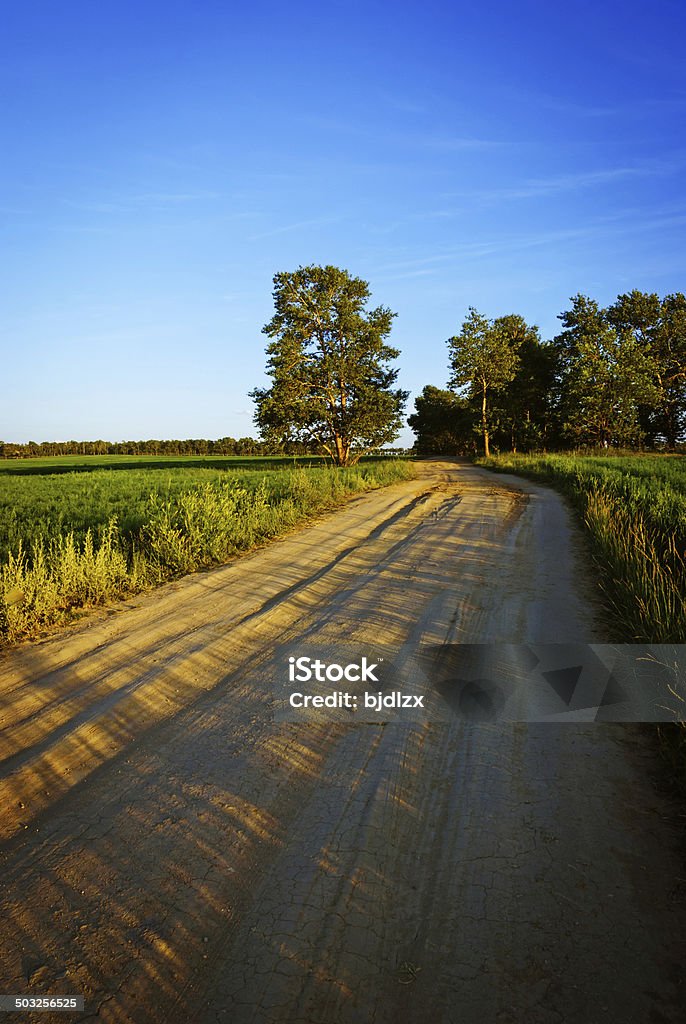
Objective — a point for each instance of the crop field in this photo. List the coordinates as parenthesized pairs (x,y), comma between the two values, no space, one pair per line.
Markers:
(635,510)
(77,532)
(43,498)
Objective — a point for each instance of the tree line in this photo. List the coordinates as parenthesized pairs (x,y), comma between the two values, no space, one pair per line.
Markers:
(613,377)
(193,446)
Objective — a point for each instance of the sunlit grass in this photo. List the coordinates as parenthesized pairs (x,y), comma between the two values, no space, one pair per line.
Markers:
(97,536)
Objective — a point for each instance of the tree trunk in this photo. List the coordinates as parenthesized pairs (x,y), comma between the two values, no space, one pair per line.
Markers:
(671,428)
(342,451)
(484,423)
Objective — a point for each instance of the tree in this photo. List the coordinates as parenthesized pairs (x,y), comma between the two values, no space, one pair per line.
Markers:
(443,423)
(524,410)
(483,358)
(660,327)
(608,373)
(329,364)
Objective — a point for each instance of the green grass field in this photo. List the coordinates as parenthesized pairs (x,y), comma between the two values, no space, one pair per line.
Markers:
(44,498)
(88,463)
(77,532)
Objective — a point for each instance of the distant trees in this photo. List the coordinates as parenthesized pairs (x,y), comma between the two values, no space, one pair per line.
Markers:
(190,446)
(443,423)
(525,411)
(613,377)
(607,373)
(623,370)
(659,326)
(484,359)
(332,382)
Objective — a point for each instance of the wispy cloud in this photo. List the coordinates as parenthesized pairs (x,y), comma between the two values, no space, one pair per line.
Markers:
(621,223)
(646,105)
(174,197)
(316,222)
(439,142)
(87,206)
(13,211)
(383,137)
(128,203)
(403,104)
(406,275)
(535,188)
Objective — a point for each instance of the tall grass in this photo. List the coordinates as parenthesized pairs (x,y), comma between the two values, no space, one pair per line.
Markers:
(179,530)
(47,504)
(645,586)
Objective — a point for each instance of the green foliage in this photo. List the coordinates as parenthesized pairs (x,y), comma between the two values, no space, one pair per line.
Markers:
(623,370)
(81,556)
(483,356)
(608,372)
(659,326)
(39,589)
(332,385)
(484,359)
(205,526)
(524,411)
(443,423)
(613,377)
(45,498)
(226,446)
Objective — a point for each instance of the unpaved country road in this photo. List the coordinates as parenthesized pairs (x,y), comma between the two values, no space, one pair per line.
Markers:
(172,854)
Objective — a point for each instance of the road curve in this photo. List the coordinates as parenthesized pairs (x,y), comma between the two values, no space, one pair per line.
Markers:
(172,854)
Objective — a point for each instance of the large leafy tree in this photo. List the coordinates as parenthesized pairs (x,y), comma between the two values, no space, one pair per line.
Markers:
(332,382)
(484,359)
(670,353)
(608,374)
(659,325)
(524,410)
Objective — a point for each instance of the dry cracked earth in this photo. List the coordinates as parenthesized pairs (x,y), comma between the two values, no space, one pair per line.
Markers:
(171,853)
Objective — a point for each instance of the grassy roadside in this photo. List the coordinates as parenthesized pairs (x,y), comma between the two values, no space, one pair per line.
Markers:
(634,509)
(49,574)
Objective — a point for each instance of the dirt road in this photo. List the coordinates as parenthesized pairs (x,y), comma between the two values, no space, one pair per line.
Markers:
(172,854)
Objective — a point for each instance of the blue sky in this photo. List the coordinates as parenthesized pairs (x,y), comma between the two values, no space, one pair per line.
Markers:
(162,161)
